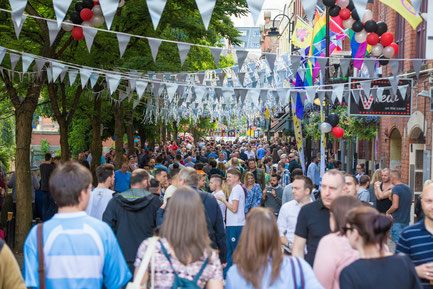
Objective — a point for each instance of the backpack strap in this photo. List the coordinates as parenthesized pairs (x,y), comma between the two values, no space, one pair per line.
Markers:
(41,268)
(302,274)
(201,271)
(293,273)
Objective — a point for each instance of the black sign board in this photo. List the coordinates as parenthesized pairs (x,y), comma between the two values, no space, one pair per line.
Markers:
(386,104)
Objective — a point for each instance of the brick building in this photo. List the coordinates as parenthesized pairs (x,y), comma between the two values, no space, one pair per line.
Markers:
(402,142)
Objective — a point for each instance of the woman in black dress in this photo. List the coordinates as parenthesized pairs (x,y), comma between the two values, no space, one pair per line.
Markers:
(367,231)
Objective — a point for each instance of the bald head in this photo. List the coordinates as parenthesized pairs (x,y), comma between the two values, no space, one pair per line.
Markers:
(427,201)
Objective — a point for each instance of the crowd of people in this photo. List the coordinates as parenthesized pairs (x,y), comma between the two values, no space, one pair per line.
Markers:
(223,214)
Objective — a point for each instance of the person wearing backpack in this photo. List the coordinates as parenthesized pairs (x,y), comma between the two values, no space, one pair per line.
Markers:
(266,267)
(183,256)
(10,275)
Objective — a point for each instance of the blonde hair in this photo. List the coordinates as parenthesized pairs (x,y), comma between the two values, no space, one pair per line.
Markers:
(226,189)
(377,176)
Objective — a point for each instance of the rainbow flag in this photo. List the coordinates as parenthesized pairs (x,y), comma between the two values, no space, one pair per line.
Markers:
(359,50)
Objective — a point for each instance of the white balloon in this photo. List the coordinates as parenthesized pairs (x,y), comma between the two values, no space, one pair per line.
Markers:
(67,25)
(377,50)
(388,52)
(361,37)
(347,24)
(368,15)
(343,3)
(97,20)
(97,11)
(325,127)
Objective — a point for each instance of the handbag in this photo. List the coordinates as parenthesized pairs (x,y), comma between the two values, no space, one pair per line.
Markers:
(302,286)
(148,255)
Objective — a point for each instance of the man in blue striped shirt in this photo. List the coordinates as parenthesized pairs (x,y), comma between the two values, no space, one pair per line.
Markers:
(417,241)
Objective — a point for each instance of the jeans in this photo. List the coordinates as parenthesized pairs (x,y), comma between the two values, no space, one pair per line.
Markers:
(49,208)
(233,234)
(396,229)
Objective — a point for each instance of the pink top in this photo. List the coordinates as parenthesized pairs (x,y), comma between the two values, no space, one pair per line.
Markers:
(333,255)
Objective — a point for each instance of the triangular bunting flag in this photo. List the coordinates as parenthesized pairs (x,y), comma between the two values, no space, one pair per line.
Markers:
(109,8)
(339,89)
(72,76)
(417,63)
(14,60)
(379,93)
(53,29)
(355,93)
(241,55)
(2,54)
(156,7)
(141,88)
(394,64)
(171,90)
(93,79)
(416,5)
(394,84)
(241,77)
(18,7)
(56,68)
(200,76)
(321,94)
(295,60)
(309,8)
(371,65)
(85,75)
(366,87)
(271,57)
(89,35)
(221,77)
(206,8)
(183,51)
(60,8)
(40,65)
(282,93)
(18,28)
(344,65)
(360,6)
(154,46)
(311,93)
(255,6)
(403,90)
(322,62)
(27,60)
(216,53)
(123,40)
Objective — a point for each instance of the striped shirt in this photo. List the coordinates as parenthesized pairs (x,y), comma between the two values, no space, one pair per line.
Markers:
(417,243)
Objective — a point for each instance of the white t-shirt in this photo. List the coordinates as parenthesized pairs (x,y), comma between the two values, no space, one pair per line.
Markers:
(99,198)
(237,219)
(222,206)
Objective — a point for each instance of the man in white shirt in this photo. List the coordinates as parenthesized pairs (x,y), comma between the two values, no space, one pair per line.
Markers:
(302,187)
(102,194)
(215,184)
(235,219)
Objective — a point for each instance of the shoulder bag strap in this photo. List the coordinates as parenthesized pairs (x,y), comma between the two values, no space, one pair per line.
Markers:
(41,269)
(293,273)
(145,261)
(302,274)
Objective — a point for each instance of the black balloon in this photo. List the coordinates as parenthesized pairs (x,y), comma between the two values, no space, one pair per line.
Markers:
(381,28)
(334,11)
(76,18)
(351,6)
(333,119)
(370,26)
(88,4)
(355,15)
(329,3)
(357,26)
(79,6)
(383,61)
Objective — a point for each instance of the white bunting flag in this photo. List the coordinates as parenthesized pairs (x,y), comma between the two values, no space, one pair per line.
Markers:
(123,42)
(60,8)
(156,7)
(113,81)
(109,8)
(206,8)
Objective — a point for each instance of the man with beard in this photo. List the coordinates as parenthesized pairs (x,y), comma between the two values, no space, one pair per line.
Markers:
(272,196)
(383,191)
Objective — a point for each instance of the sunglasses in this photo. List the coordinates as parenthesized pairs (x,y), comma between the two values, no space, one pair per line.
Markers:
(346,229)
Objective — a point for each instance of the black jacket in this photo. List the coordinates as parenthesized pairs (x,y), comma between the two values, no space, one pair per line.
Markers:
(132,220)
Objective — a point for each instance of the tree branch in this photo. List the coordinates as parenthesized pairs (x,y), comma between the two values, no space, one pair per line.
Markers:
(74,105)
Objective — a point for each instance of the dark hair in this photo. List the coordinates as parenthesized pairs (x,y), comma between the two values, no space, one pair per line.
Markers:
(174,172)
(308,183)
(48,156)
(178,157)
(159,172)
(154,183)
(159,159)
(235,172)
(217,176)
(103,172)
(276,176)
(337,163)
(252,160)
(175,165)
(339,208)
(355,180)
(67,182)
(138,176)
(198,166)
(372,226)
(213,163)
(297,172)
(363,180)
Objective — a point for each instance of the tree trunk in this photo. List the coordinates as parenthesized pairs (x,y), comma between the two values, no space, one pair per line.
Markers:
(175,130)
(23,134)
(96,145)
(64,144)
(163,132)
(118,134)
(142,135)
(130,131)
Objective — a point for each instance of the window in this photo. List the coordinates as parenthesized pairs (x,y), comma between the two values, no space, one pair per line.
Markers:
(399,38)
(421,33)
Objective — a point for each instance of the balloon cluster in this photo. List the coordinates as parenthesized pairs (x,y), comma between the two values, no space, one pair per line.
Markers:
(87,13)
(330,124)
(375,33)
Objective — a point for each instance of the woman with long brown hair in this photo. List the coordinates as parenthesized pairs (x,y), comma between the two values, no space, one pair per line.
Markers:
(368,231)
(259,260)
(184,249)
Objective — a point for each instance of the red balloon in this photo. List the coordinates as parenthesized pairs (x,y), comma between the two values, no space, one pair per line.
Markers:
(345,14)
(395,46)
(77,33)
(86,14)
(372,39)
(338,132)
(95,3)
(386,39)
